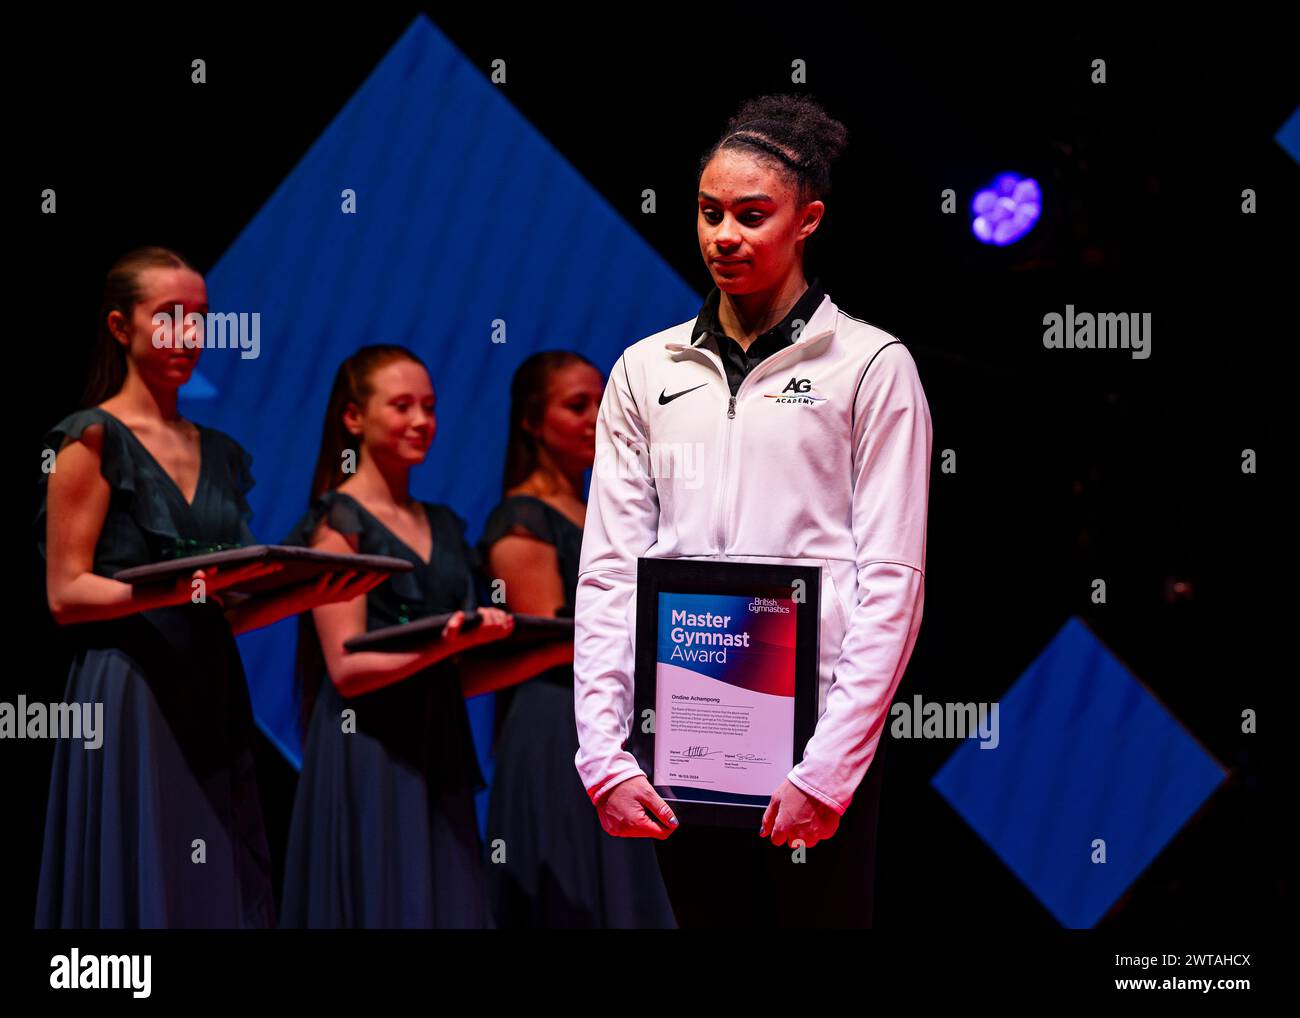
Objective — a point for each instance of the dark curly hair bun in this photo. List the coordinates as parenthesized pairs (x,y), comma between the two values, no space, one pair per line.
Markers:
(794,132)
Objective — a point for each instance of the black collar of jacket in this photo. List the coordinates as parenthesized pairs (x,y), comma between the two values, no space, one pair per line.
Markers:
(706,323)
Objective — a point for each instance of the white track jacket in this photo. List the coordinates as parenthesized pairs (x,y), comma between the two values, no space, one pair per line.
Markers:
(821,458)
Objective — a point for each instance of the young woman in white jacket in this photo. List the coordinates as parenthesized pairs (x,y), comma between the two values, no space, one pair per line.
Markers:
(772,428)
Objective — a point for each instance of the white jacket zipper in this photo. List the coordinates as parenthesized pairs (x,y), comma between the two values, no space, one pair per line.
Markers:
(729,437)
(722,471)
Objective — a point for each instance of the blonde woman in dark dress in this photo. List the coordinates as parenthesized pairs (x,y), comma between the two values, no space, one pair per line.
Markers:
(159,825)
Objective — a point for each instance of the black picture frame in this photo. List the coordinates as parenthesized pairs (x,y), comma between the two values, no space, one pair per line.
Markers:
(745,579)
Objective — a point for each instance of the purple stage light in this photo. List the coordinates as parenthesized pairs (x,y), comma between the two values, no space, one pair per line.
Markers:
(1006,210)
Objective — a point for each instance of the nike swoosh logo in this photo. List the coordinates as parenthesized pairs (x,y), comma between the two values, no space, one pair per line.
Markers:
(668,399)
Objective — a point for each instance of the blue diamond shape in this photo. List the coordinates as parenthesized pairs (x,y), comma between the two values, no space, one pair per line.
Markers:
(1288,135)
(1085,753)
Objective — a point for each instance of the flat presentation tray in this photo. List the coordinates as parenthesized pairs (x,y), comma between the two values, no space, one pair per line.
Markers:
(300,564)
(528,629)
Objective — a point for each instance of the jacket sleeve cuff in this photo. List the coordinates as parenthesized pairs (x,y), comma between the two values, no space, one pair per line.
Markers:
(623,767)
(816,793)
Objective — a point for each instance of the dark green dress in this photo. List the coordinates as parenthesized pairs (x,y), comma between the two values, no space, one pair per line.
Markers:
(176,762)
(561,869)
(384,832)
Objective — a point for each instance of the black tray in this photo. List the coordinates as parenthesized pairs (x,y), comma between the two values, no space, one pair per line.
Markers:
(528,629)
(300,564)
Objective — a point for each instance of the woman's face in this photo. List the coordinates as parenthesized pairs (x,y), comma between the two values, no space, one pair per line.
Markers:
(163,352)
(568,425)
(748,217)
(397,424)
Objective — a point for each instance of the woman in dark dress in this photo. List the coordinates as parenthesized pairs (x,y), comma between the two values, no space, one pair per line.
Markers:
(384,832)
(160,824)
(561,870)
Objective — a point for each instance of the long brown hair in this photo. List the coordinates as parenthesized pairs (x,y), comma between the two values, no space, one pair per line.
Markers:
(529,390)
(122,293)
(528,394)
(351,385)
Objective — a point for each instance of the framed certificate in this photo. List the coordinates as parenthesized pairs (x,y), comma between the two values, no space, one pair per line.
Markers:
(726,682)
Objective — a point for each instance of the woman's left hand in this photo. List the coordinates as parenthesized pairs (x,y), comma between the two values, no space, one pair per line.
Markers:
(794,816)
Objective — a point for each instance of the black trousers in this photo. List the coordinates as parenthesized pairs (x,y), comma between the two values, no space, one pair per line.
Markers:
(729,877)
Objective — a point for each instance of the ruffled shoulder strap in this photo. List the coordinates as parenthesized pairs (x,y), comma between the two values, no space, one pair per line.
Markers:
(525,511)
(115,461)
(233,469)
(338,509)
(117,465)
(450,527)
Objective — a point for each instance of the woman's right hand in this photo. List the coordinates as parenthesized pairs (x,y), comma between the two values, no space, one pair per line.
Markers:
(334,587)
(214,579)
(496,625)
(633,809)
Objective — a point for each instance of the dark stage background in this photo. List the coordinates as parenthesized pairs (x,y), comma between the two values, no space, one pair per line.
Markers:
(1070,464)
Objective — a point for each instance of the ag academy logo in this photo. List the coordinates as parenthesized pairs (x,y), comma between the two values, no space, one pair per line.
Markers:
(799,391)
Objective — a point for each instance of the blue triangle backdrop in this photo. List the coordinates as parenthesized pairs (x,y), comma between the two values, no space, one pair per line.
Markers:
(464,214)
